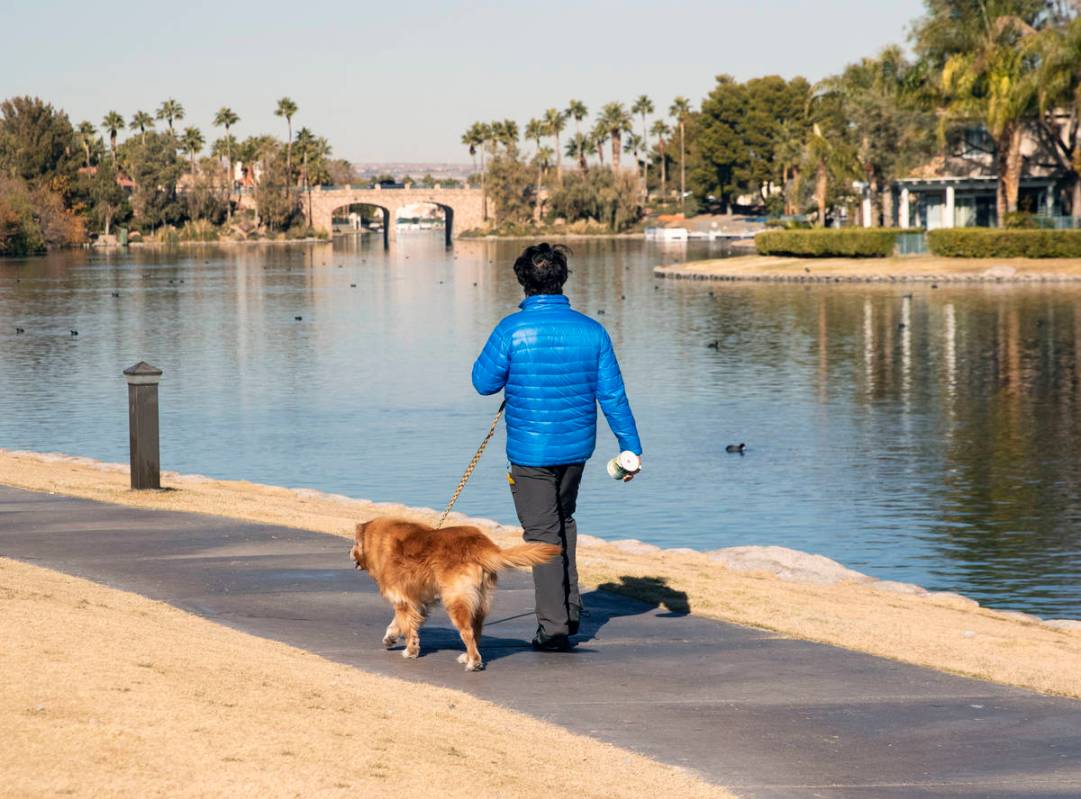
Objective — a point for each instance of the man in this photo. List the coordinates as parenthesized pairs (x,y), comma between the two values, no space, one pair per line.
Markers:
(554,365)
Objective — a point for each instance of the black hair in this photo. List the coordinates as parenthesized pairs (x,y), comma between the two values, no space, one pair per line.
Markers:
(542,268)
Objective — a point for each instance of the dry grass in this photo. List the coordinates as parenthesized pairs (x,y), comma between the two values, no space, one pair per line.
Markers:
(919,267)
(109,694)
(943,632)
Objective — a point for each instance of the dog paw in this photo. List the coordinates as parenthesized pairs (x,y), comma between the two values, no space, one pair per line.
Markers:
(410,654)
(390,642)
(478,666)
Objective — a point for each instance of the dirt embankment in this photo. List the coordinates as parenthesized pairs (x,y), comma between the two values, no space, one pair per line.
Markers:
(793,593)
(106,693)
(899,269)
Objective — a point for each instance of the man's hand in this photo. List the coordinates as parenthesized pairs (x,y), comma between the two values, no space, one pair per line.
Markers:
(630,475)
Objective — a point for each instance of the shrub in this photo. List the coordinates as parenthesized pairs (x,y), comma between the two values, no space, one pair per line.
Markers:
(600,196)
(33,219)
(1021,219)
(200,230)
(824,243)
(788,223)
(1004,243)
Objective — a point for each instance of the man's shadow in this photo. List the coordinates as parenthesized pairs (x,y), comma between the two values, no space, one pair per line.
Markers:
(629,596)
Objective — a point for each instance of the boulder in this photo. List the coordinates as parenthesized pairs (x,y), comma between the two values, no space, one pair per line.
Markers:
(999,272)
(635,547)
(785,563)
(1016,615)
(1071,625)
(894,587)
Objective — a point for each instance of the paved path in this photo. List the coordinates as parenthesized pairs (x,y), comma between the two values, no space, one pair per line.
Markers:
(764,715)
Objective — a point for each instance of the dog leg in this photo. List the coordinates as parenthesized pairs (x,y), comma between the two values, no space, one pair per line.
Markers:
(391,636)
(462,615)
(408,620)
(405,624)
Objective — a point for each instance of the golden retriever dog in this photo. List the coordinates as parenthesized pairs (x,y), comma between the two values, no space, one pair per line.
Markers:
(414,565)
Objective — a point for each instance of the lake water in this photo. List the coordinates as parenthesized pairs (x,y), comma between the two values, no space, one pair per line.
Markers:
(929,436)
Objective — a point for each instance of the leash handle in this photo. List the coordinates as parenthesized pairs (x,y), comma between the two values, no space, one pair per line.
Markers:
(472,464)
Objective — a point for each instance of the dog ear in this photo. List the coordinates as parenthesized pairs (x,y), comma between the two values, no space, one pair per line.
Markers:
(357,552)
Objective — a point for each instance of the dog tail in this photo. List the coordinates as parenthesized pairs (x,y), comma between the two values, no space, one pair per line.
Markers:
(520,556)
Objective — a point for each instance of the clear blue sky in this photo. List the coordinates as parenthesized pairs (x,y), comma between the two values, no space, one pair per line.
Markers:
(400,81)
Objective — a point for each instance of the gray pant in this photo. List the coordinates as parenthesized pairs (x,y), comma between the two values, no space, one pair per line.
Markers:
(545,498)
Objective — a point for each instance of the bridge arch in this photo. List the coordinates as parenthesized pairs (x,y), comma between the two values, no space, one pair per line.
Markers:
(385,212)
(462,208)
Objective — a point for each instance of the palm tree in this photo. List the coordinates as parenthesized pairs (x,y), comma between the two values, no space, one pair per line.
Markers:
(661,130)
(998,82)
(140,121)
(542,159)
(617,121)
(534,129)
(226,118)
(597,138)
(191,142)
(170,110)
(789,150)
(579,147)
(287,108)
(472,139)
(476,138)
(828,154)
(112,123)
(636,145)
(679,110)
(642,106)
(86,133)
(1060,87)
(506,133)
(313,152)
(556,120)
(221,148)
(578,110)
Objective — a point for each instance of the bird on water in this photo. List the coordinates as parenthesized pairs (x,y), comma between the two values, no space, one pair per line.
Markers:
(740,448)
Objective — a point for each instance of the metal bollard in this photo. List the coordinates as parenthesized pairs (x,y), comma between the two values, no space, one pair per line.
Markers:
(143,382)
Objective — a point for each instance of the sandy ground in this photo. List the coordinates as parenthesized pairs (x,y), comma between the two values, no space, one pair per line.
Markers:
(799,595)
(921,268)
(106,693)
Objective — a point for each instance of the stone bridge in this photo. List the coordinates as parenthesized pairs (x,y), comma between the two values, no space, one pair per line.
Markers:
(463,209)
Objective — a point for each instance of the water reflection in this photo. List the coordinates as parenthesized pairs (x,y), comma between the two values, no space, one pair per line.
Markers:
(916,434)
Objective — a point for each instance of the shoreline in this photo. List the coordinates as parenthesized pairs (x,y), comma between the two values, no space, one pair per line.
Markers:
(929,269)
(540,236)
(796,594)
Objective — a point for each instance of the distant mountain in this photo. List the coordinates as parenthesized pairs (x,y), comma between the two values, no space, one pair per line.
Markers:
(401,169)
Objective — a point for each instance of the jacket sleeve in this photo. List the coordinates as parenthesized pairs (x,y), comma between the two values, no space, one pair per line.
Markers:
(613,399)
(493,363)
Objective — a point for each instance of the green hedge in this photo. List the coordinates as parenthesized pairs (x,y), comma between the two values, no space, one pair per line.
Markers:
(827,242)
(1004,243)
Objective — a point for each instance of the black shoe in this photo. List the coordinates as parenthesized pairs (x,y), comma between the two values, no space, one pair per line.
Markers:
(551,643)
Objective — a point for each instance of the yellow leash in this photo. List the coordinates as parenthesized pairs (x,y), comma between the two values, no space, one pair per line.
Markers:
(472,464)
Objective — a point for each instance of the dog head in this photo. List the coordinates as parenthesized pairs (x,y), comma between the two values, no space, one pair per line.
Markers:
(358,546)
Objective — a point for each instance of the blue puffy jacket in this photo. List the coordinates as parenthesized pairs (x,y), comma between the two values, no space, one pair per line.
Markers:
(555,365)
